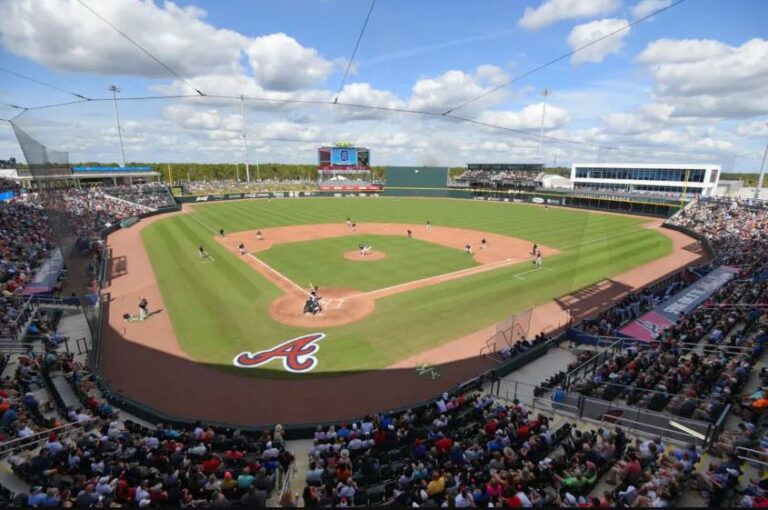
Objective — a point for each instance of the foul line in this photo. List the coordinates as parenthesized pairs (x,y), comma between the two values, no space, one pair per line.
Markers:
(278,273)
(275,271)
(531,271)
(445,277)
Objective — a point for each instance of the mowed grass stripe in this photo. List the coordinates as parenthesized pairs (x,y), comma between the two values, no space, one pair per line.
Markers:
(221,307)
(547,226)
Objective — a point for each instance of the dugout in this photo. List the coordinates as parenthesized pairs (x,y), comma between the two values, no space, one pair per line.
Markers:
(414,181)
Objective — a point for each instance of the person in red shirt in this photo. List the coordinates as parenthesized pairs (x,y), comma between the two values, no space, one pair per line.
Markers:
(211,465)
(491,426)
(444,445)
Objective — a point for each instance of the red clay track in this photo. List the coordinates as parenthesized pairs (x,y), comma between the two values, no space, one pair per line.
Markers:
(144,362)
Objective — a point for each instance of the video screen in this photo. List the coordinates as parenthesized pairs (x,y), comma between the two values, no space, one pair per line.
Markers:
(343,156)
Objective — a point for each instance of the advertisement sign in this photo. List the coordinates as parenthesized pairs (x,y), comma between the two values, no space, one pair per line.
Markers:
(650,325)
(537,200)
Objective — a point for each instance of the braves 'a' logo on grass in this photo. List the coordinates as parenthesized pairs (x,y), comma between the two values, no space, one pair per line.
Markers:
(297,354)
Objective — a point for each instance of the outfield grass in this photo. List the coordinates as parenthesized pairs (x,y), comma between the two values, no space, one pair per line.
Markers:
(322,262)
(220,309)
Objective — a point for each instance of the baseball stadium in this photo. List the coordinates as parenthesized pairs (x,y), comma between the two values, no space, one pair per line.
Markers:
(210,297)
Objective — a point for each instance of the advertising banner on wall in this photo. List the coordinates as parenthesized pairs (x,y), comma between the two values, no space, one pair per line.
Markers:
(650,325)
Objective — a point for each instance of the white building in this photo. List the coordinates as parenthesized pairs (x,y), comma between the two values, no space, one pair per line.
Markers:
(551,181)
(668,179)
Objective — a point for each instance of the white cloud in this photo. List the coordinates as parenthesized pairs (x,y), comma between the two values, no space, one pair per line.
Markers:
(707,78)
(588,32)
(529,118)
(455,87)
(758,128)
(62,34)
(552,11)
(645,7)
(280,63)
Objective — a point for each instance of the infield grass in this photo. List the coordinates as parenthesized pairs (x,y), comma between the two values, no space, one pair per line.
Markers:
(220,308)
(321,262)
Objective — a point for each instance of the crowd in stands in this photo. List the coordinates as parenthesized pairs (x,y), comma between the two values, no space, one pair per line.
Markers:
(9,163)
(25,243)
(506,178)
(154,195)
(89,210)
(255,186)
(731,325)
(590,190)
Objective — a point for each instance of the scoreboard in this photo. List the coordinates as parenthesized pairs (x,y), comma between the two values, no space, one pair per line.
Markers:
(343,158)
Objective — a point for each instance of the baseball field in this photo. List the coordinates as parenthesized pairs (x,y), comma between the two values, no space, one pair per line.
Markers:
(411,295)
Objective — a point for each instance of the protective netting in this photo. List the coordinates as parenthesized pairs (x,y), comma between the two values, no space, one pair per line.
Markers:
(41,160)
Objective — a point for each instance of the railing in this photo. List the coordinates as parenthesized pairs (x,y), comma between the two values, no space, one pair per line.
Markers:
(743,454)
(24,443)
(19,326)
(643,421)
(287,479)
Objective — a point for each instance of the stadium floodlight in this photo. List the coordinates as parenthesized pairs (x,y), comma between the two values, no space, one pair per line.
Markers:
(245,139)
(762,172)
(114,91)
(541,134)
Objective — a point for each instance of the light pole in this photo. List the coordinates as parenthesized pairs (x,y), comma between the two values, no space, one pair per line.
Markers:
(541,135)
(245,140)
(115,90)
(762,172)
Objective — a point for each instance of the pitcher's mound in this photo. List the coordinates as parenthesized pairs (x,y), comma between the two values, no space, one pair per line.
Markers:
(340,306)
(355,255)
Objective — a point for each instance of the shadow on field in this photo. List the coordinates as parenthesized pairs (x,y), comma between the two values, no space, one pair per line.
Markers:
(259,396)
(592,298)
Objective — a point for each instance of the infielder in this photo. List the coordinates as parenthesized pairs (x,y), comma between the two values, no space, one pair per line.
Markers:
(429,225)
(241,247)
(143,309)
(468,249)
(537,260)
(259,237)
(202,252)
(483,242)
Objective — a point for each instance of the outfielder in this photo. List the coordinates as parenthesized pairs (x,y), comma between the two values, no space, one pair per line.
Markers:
(202,252)
(429,225)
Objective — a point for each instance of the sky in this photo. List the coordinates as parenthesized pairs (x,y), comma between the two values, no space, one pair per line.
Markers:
(687,85)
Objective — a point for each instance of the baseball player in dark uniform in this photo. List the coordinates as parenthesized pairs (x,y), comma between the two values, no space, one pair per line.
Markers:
(143,309)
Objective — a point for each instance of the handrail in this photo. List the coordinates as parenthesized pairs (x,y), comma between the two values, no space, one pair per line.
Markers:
(13,445)
(287,480)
